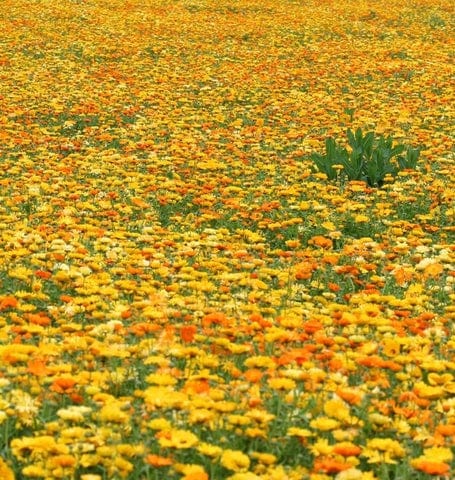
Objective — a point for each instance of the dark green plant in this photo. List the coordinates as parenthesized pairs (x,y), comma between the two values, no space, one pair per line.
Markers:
(335,155)
(371,158)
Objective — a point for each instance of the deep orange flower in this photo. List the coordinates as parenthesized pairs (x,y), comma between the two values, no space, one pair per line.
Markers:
(312,326)
(446,430)
(44,274)
(157,460)
(187,333)
(8,302)
(63,385)
(217,318)
(329,465)
(431,467)
(39,319)
(347,450)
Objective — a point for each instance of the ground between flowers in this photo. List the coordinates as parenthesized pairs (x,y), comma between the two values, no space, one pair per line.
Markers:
(181,296)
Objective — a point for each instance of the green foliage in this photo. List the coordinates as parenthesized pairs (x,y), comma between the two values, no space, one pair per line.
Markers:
(371,158)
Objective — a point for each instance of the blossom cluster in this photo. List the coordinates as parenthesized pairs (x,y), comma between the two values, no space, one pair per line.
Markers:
(181,295)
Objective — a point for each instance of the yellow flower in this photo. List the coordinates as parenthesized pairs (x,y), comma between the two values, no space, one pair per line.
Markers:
(383,450)
(35,471)
(113,413)
(209,450)
(282,384)
(160,424)
(427,391)
(265,458)
(299,432)
(324,423)
(259,361)
(238,420)
(438,454)
(37,446)
(161,379)
(245,476)
(336,409)
(321,447)
(354,474)
(74,413)
(177,439)
(235,460)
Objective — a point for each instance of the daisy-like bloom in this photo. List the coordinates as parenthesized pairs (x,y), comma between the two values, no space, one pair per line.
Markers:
(74,413)
(281,384)
(113,412)
(36,447)
(180,439)
(158,460)
(264,458)
(431,467)
(324,424)
(5,471)
(383,450)
(209,450)
(234,460)
(355,474)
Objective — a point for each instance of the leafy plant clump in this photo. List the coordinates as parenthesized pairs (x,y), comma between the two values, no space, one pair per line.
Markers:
(371,158)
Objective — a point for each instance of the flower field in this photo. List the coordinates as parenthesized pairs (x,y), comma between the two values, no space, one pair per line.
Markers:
(183,294)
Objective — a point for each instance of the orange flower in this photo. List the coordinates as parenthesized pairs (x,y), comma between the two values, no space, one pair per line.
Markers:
(217,318)
(138,202)
(39,319)
(196,476)
(312,326)
(63,384)
(157,460)
(320,241)
(5,472)
(446,430)
(329,465)
(197,386)
(44,274)
(140,329)
(350,396)
(187,333)
(347,449)
(253,375)
(8,302)
(431,467)
(37,367)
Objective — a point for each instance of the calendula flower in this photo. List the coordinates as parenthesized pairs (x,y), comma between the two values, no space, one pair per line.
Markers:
(113,413)
(209,450)
(74,413)
(5,471)
(281,384)
(354,474)
(177,439)
(383,450)
(431,467)
(234,460)
(324,424)
(265,458)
